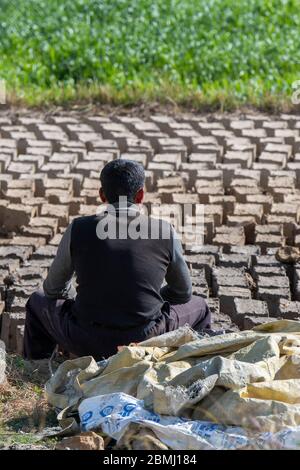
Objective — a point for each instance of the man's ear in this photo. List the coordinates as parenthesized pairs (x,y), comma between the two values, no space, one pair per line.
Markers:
(102,195)
(139,197)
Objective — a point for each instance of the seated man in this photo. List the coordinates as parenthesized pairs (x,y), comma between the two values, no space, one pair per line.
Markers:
(121,259)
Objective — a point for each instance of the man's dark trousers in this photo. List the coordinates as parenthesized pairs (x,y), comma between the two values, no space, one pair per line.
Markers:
(50,322)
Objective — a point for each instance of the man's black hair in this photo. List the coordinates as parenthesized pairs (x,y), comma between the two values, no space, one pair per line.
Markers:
(122,178)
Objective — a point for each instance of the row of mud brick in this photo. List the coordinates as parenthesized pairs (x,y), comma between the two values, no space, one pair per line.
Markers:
(244,171)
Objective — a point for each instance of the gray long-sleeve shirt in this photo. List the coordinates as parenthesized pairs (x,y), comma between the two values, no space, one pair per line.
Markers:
(58,284)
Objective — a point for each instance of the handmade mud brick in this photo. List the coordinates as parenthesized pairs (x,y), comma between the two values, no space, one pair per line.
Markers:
(279,148)
(267,261)
(289,310)
(268,271)
(227,296)
(248,307)
(16,169)
(242,158)
(268,240)
(201,261)
(288,224)
(234,260)
(44,252)
(214,211)
(57,211)
(229,236)
(273,282)
(253,210)
(272,296)
(209,159)
(289,210)
(266,200)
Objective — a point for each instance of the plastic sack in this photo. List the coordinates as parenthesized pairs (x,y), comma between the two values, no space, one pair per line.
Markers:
(114,413)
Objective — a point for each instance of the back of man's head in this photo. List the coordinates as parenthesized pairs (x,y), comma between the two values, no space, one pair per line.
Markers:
(122,178)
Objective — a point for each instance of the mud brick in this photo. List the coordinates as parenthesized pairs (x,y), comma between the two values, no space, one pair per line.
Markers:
(20,339)
(201,261)
(58,196)
(289,310)
(227,203)
(45,222)
(288,224)
(268,261)
(99,156)
(246,222)
(244,182)
(229,236)
(272,296)
(214,211)
(53,169)
(278,159)
(248,307)
(228,294)
(37,232)
(16,215)
(137,157)
(251,321)
(254,134)
(173,182)
(57,211)
(76,181)
(33,242)
(17,195)
(70,159)
(103,144)
(268,240)
(235,260)
(160,166)
(275,125)
(171,158)
(88,209)
(228,276)
(242,158)
(36,160)
(279,148)
(205,250)
(16,169)
(264,167)
(273,282)
(47,251)
(15,252)
(208,158)
(139,145)
(268,271)
(179,198)
(266,200)
(282,181)
(289,210)
(241,193)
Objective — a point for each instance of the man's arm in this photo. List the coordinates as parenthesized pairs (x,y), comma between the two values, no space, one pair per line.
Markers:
(58,285)
(179,285)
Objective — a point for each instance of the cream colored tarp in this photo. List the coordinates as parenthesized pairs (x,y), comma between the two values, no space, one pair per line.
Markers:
(249,378)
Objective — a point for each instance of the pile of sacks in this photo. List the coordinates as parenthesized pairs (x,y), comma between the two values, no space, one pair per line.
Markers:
(227,391)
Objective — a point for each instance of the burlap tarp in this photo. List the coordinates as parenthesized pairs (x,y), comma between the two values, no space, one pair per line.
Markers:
(248,378)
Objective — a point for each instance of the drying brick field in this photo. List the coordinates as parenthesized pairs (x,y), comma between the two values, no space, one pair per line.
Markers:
(244,170)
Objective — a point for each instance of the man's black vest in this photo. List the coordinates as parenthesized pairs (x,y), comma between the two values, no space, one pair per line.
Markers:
(119,279)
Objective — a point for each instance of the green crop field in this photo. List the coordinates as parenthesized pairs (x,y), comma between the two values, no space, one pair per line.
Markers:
(202,53)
